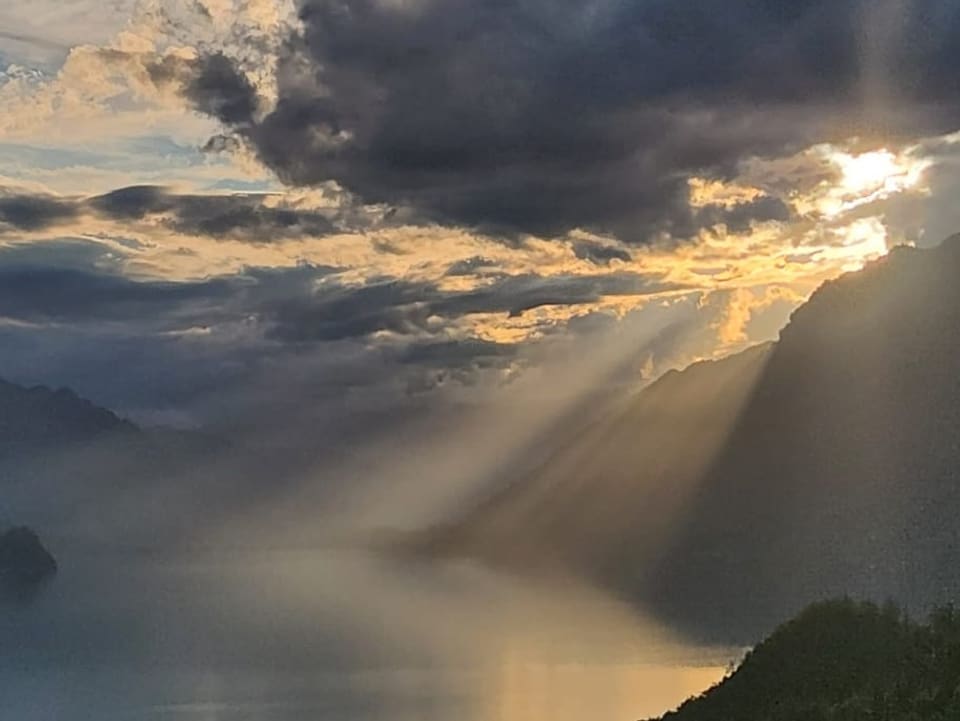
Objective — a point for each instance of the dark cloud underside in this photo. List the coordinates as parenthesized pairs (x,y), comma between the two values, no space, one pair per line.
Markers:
(245,217)
(33,212)
(533,116)
(79,282)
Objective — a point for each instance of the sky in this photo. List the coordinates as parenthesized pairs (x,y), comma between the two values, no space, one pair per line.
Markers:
(215,212)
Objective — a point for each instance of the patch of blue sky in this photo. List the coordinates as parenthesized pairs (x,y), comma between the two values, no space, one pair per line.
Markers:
(240,185)
(16,155)
(12,71)
(162,146)
(75,170)
(132,155)
(128,161)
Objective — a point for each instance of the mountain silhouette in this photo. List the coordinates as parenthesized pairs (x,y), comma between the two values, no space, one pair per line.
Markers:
(80,472)
(41,416)
(729,495)
(25,565)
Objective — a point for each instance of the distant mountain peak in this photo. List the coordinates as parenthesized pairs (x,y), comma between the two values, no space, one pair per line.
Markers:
(40,415)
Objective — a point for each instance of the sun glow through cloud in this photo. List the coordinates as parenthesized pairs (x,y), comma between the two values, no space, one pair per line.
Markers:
(864,240)
(870,176)
(847,227)
(866,172)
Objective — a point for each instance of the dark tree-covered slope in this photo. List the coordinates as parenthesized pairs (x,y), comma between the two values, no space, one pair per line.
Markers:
(843,661)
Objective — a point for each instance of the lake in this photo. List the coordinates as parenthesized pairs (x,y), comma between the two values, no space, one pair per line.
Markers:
(320,635)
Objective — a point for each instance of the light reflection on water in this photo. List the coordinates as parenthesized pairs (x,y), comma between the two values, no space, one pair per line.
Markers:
(319,636)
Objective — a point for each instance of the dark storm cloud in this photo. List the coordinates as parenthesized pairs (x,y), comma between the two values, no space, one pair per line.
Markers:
(60,253)
(245,217)
(519,293)
(33,212)
(599,254)
(212,81)
(532,116)
(457,354)
(132,203)
(64,295)
(461,361)
(339,312)
(82,282)
(71,316)
(405,307)
(222,92)
(471,266)
(740,217)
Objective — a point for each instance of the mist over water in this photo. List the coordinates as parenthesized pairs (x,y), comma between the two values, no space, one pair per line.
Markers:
(234,593)
(333,635)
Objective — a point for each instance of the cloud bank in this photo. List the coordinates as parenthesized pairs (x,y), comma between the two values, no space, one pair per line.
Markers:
(532,117)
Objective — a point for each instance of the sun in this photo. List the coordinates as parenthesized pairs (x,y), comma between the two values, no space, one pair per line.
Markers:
(869,176)
(860,180)
(868,172)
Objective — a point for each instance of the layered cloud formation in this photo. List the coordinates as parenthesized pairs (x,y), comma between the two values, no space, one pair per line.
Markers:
(405,195)
(546,117)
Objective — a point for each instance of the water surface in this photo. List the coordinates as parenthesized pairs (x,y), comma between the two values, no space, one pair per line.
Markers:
(312,635)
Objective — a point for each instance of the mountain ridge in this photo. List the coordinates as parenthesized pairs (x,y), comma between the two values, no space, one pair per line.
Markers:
(822,466)
(81,473)
(40,415)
